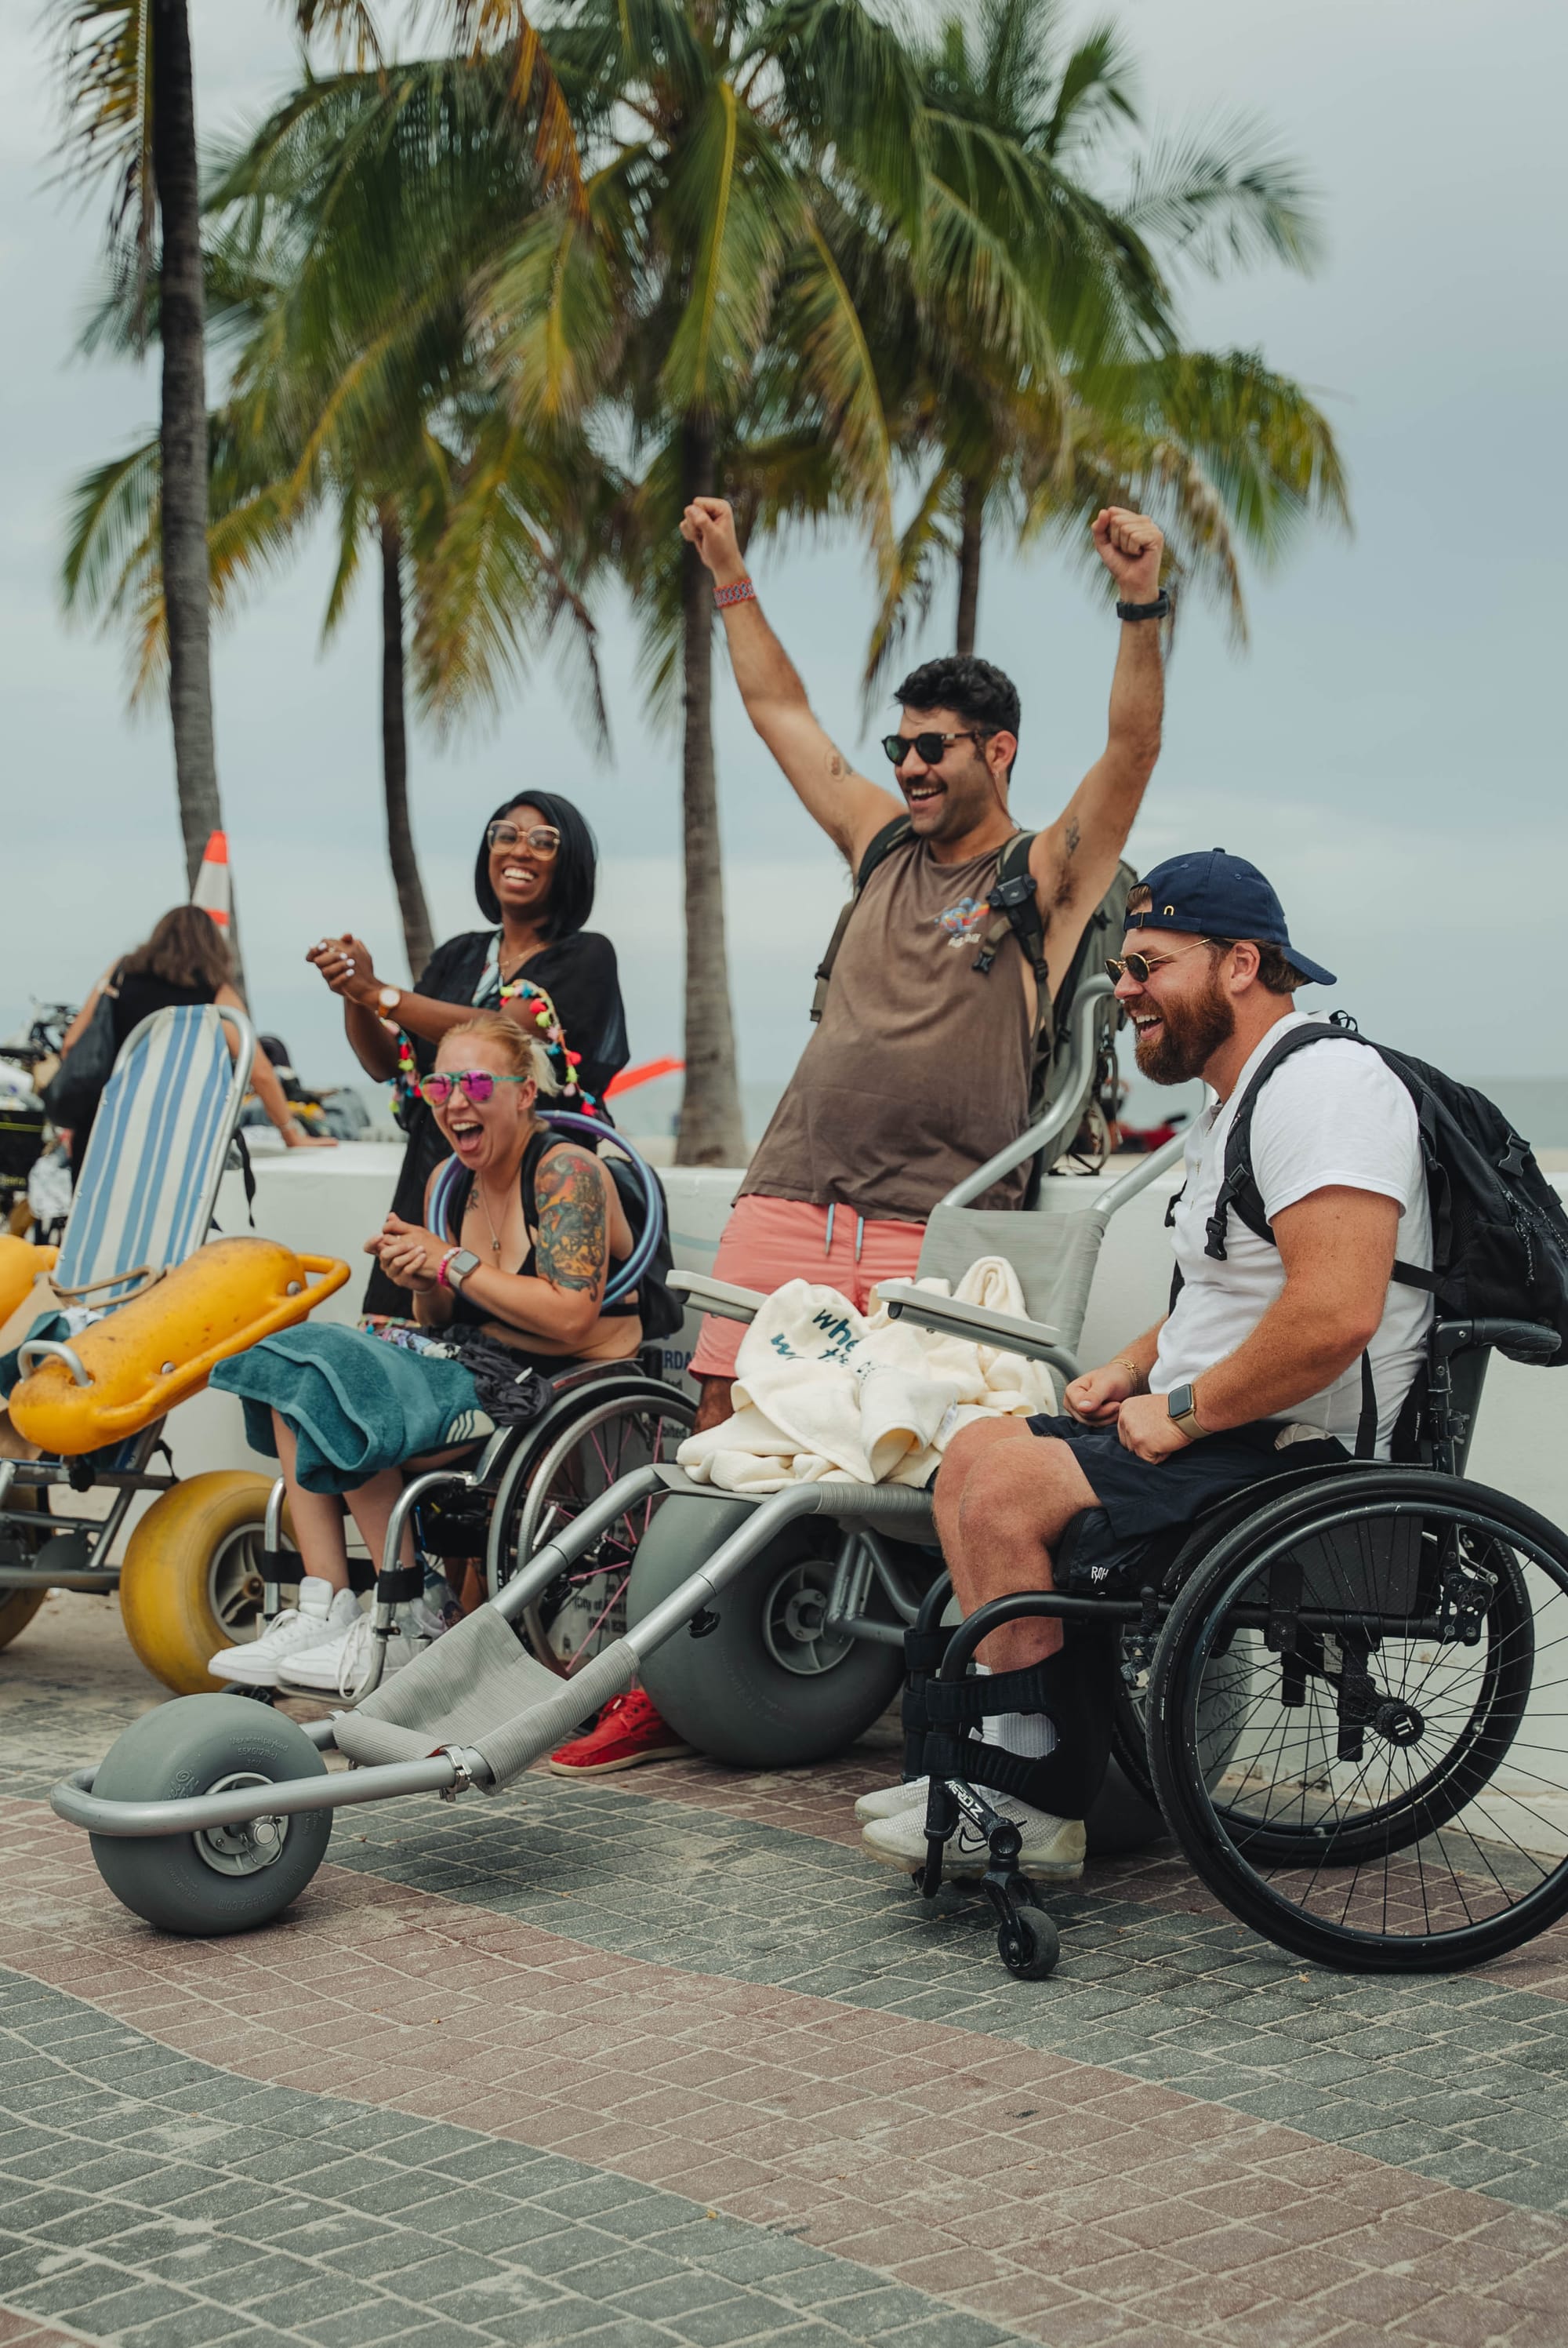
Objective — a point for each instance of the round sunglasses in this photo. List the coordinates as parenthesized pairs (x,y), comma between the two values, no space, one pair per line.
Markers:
(1140,968)
(542,837)
(477,1084)
(931,746)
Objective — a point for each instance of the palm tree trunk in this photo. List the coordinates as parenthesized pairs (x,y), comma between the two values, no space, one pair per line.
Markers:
(183,430)
(418,942)
(711,1131)
(972,525)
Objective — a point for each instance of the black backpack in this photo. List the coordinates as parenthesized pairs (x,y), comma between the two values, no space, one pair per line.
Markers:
(1014,904)
(1500,1236)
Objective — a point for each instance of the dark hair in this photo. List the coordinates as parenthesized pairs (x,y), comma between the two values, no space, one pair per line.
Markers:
(983,694)
(571,901)
(1276,976)
(187,948)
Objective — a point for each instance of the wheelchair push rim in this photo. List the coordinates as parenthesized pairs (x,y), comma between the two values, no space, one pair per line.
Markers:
(582,1612)
(1389,1799)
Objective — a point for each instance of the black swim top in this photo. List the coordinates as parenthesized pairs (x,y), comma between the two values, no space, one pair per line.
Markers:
(466,1314)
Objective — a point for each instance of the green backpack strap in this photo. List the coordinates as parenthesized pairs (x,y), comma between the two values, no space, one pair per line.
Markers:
(879,849)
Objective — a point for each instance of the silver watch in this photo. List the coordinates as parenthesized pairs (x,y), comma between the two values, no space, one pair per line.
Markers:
(459,1266)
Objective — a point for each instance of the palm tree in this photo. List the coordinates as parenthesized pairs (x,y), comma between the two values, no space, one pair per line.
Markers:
(349,232)
(1108,409)
(701,294)
(130,111)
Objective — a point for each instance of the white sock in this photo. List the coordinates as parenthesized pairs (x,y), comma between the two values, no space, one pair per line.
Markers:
(1030,1734)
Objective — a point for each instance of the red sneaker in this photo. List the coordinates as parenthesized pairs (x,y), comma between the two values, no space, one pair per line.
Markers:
(628,1732)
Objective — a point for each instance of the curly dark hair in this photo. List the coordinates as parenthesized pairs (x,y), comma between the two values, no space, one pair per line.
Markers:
(981,693)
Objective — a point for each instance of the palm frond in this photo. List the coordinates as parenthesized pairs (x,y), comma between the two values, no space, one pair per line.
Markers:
(105,51)
(1224,197)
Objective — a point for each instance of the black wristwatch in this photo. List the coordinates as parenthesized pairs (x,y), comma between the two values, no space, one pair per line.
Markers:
(459,1266)
(1160,609)
(1181,1406)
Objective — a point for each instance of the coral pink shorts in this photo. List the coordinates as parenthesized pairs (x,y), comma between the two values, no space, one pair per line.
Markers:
(769,1241)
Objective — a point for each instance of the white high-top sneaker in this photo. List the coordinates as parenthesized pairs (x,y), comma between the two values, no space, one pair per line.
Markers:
(258,1663)
(339,1665)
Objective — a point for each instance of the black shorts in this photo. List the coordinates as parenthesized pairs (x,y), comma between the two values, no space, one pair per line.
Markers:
(1147,1506)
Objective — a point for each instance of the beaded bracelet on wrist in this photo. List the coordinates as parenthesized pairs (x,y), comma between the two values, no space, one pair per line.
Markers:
(743,592)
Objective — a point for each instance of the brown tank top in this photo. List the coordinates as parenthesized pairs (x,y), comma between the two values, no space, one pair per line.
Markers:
(920,1070)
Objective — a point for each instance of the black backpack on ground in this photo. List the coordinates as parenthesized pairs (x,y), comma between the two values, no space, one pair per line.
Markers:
(1500,1236)
(1014,904)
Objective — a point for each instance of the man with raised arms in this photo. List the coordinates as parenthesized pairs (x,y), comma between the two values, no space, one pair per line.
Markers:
(921,1068)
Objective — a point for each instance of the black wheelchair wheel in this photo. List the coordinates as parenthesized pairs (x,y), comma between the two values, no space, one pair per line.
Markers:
(574,1456)
(1383,1782)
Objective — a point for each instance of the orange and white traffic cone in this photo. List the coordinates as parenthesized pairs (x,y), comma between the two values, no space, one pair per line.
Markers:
(211,891)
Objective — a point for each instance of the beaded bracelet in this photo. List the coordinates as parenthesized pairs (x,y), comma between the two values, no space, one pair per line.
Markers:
(743,592)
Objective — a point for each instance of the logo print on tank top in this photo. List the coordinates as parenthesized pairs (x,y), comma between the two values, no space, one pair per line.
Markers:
(960,922)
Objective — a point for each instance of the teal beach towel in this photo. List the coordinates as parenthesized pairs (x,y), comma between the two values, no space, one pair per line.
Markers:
(355,1403)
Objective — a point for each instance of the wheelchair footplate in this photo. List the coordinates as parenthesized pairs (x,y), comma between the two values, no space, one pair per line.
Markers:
(1026,1941)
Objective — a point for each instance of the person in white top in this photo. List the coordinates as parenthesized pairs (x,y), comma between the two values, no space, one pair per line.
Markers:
(1277,1351)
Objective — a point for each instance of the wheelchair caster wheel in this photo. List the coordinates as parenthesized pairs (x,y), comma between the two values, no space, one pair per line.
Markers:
(1029,1946)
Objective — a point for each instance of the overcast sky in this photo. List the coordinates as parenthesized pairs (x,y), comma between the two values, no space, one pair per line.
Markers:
(1388,749)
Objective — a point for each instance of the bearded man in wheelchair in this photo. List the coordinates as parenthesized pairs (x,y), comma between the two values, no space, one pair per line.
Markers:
(1291,1341)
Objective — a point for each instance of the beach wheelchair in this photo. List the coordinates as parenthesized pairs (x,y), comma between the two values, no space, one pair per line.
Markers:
(125,1320)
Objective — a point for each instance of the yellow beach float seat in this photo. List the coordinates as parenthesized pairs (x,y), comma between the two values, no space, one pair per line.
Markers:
(20,1265)
(159,1349)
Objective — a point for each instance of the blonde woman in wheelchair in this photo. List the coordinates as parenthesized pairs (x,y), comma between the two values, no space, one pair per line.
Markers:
(535,1228)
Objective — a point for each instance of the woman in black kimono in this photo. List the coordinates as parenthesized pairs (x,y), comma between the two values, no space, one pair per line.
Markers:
(534,876)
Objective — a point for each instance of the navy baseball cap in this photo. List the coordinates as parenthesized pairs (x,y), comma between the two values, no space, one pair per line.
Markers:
(1218,896)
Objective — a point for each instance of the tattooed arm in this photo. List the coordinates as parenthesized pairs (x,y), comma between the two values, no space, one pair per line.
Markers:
(1074,861)
(850,809)
(564,1300)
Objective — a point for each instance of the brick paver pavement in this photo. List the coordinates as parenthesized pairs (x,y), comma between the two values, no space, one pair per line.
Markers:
(661,2060)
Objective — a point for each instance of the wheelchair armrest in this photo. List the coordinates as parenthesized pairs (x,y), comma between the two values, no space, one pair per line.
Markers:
(720,1296)
(1522,1340)
(1037,1339)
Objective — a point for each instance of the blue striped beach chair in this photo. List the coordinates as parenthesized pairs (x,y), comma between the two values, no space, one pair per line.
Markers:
(145,1195)
(143,1204)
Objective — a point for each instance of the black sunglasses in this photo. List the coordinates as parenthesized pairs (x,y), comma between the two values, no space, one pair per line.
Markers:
(931,746)
(1141,967)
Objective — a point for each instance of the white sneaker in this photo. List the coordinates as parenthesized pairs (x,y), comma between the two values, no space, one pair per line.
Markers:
(257,1664)
(1052,1847)
(340,1664)
(892,1801)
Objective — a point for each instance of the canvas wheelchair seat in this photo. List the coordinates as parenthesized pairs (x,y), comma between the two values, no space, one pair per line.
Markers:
(164,1304)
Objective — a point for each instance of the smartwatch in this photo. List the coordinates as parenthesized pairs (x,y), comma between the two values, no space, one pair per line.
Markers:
(459,1266)
(1181,1405)
(1158,610)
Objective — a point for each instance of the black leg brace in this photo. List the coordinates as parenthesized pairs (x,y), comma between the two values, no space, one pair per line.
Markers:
(1075,1689)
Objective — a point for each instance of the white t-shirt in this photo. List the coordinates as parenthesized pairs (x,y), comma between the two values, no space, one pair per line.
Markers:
(1331,1116)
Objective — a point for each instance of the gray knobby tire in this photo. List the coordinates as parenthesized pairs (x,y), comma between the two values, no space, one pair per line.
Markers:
(727,1693)
(190,1747)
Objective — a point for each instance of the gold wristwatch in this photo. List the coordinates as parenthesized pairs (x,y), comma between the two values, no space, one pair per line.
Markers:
(1181,1402)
